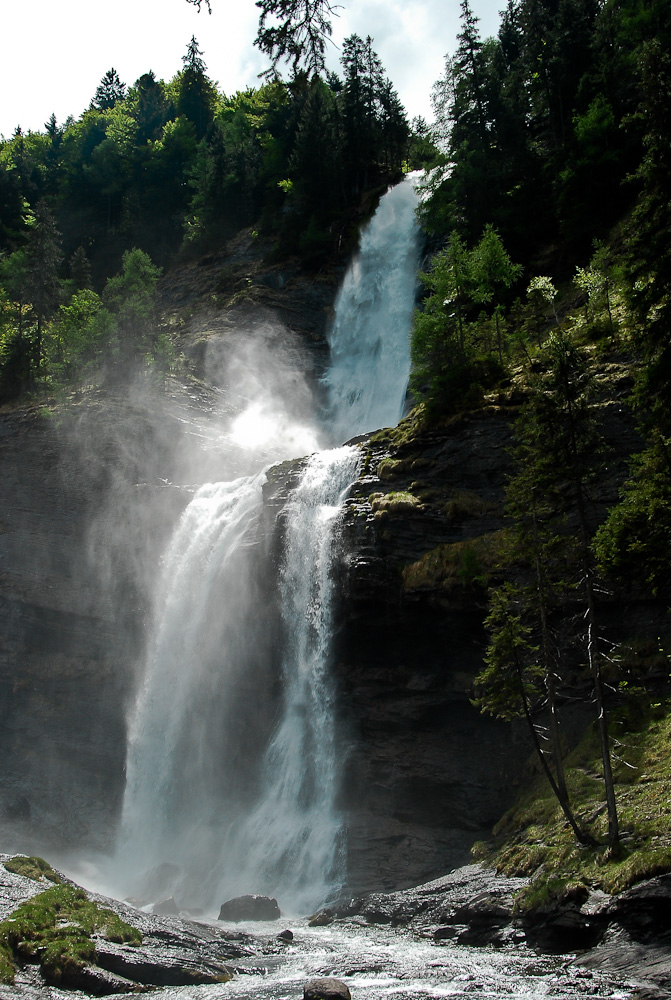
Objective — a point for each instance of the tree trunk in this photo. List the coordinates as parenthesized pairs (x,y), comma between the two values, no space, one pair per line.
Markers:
(580,835)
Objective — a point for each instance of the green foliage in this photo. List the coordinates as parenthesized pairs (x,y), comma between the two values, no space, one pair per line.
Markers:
(129,297)
(56,928)
(511,672)
(543,125)
(633,545)
(74,336)
(167,166)
(453,357)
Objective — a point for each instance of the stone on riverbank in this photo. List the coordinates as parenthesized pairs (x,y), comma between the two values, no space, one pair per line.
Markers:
(251,907)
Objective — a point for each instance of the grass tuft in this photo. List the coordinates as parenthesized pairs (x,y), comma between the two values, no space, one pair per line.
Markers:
(32,867)
(56,928)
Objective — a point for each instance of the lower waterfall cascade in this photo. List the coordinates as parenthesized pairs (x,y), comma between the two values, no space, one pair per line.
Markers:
(217,795)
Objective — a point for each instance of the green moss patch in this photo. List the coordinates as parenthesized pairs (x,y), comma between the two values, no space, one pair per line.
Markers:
(32,867)
(56,929)
(397,502)
(460,565)
(405,431)
(533,838)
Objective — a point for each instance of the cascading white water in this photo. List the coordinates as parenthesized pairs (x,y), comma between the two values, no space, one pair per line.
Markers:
(368,340)
(290,843)
(210,788)
(206,592)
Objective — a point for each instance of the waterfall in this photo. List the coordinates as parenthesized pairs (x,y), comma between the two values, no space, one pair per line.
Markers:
(196,653)
(290,844)
(233,753)
(368,340)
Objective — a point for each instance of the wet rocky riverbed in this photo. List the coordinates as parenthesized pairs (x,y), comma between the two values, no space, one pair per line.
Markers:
(451,938)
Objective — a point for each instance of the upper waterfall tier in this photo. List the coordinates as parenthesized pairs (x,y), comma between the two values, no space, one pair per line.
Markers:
(369,338)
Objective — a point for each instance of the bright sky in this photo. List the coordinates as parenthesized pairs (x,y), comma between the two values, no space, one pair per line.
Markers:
(56,51)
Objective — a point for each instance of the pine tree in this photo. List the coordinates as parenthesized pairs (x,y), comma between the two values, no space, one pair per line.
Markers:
(109,92)
(567,435)
(43,258)
(493,272)
(196,95)
(299,35)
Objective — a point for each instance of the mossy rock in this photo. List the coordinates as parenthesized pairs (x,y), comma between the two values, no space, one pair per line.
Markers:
(463,565)
(389,468)
(394,503)
(57,926)
(32,867)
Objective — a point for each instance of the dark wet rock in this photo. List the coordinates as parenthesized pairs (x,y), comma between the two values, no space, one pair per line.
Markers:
(648,966)
(250,907)
(637,942)
(166,906)
(487,909)
(97,982)
(326,989)
(445,933)
(568,924)
(644,911)
(321,919)
(471,889)
(177,965)
(480,936)
(377,915)
(285,936)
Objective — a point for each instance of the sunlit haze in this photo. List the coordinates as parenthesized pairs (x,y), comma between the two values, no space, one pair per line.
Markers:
(56,51)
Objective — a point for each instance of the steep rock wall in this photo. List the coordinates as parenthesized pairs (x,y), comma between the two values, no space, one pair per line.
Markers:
(427,774)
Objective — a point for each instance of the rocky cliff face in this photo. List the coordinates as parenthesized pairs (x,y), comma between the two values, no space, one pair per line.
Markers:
(427,774)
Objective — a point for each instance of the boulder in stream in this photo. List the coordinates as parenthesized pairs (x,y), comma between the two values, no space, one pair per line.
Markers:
(321,919)
(250,907)
(326,989)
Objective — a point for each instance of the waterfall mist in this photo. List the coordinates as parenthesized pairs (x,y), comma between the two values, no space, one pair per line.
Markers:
(234,758)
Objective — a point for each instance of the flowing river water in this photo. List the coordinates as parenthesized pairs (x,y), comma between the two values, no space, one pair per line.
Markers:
(384,963)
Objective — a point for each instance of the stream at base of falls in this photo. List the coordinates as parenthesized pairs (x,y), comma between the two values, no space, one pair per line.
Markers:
(377,962)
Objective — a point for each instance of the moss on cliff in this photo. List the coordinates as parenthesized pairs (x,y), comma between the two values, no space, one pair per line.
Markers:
(458,565)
